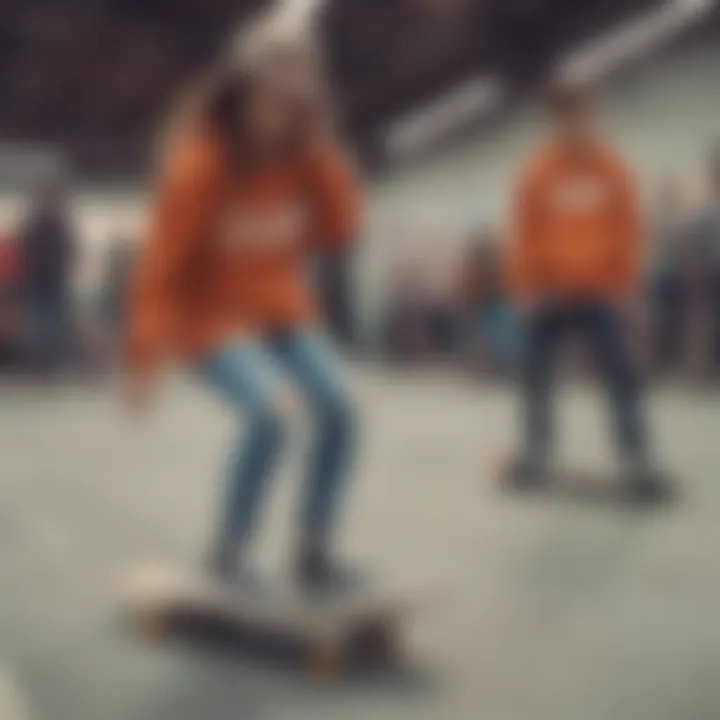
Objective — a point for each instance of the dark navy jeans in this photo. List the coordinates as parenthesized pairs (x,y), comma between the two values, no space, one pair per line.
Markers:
(601,325)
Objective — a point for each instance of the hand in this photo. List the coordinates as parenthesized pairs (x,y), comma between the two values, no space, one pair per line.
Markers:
(139,391)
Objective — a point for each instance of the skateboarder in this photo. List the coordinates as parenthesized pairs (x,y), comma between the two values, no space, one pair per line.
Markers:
(574,255)
(253,187)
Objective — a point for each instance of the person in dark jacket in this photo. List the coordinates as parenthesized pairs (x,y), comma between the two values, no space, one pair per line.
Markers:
(48,254)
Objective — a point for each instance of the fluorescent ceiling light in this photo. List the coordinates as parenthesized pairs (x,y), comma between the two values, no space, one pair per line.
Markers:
(450,111)
(633,38)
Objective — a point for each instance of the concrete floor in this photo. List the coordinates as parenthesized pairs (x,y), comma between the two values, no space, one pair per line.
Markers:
(552,609)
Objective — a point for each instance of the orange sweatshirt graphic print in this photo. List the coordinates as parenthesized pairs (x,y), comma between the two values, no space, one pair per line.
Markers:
(576,226)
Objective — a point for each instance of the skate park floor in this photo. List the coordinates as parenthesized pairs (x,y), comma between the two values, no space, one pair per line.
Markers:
(550,608)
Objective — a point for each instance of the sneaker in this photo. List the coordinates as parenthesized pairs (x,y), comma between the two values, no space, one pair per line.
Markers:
(315,572)
(230,572)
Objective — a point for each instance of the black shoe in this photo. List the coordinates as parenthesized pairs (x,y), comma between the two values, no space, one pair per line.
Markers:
(315,572)
(649,487)
(227,568)
(524,474)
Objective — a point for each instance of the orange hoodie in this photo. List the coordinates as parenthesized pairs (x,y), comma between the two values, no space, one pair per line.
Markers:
(226,250)
(576,225)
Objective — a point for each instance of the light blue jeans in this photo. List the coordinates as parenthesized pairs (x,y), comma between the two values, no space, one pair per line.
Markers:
(249,376)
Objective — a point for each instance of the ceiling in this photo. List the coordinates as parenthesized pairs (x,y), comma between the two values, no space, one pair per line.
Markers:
(95,75)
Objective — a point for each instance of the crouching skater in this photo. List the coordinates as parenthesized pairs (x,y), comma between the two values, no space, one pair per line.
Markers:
(254,185)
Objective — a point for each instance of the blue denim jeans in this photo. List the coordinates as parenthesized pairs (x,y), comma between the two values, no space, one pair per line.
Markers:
(249,376)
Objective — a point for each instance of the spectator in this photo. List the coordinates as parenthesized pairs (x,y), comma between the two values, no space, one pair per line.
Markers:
(701,267)
(439,292)
(115,281)
(668,296)
(405,332)
(422,314)
(491,327)
(709,250)
(48,251)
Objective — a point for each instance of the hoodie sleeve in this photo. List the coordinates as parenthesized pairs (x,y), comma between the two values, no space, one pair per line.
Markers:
(335,200)
(181,213)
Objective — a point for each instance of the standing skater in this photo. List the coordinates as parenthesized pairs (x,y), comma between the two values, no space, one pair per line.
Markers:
(574,257)
(253,187)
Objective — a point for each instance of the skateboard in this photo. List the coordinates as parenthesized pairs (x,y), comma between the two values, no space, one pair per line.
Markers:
(328,634)
(582,484)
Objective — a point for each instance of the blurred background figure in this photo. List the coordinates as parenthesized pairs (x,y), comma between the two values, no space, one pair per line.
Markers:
(713,224)
(704,281)
(114,285)
(669,242)
(11,304)
(48,247)
(404,332)
(421,315)
(492,331)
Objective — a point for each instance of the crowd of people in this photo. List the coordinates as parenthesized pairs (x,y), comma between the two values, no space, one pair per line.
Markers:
(35,283)
(46,330)
(454,303)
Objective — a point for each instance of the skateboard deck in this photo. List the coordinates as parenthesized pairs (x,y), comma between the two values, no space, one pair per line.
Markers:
(327,634)
(579,483)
